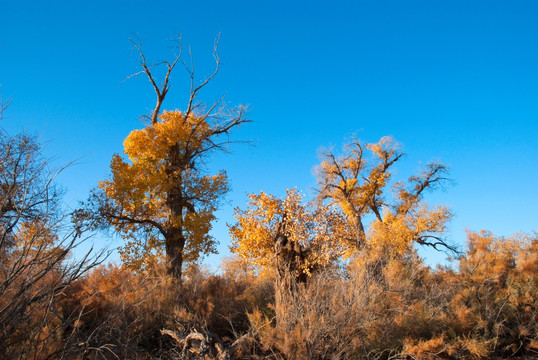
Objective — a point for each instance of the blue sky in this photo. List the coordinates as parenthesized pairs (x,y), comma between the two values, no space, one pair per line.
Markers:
(452,81)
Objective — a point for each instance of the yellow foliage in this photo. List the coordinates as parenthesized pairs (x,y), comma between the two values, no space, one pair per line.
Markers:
(494,305)
(153,142)
(356,184)
(319,229)
(343,179)
(35,236)
(158,190)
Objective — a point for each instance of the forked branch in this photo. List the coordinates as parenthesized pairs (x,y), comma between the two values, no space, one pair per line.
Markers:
(195,90)
(163,89)
(4,104)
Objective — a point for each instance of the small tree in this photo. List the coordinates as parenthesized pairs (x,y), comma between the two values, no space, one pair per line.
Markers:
(160,195)
(295,238)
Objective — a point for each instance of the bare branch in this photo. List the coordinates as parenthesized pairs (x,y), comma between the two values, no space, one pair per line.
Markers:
(35,242)
(429,179)
(195,90)
(162,90)
(4,104)
(132,220)
(436,242)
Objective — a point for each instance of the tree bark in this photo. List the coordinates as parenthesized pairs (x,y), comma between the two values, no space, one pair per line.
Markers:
(290,275)
(175,200)
(175,243)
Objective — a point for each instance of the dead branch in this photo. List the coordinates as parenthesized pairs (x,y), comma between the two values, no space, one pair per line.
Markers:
(162,90)
(195,90)
(4,104)
(202,344)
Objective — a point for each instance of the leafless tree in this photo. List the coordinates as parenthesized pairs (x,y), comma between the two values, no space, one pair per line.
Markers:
(35,244)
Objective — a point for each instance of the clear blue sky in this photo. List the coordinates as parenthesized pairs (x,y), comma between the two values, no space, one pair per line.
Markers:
(450,80)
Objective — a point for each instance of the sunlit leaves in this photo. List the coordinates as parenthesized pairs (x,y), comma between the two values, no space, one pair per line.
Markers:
(159,192)
(495,302)
(357,183)
(319,230)
(153,143)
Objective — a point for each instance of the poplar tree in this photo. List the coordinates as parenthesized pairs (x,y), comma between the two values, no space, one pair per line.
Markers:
(159,194)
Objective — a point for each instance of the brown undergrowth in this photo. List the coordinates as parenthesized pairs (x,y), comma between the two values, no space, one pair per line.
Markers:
(374,307)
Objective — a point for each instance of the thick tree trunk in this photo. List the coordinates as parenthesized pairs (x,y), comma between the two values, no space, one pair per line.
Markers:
(290,276)
(175,239)
(175,243)
(361,234)
(290,260)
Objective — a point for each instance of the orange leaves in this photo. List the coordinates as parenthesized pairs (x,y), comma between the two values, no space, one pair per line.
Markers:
(319,230)
(493,260)
(494,304)
(391,236)
(159,192)
(153,143)
(35,235)
(426,349)
(141,254)
(352,213)
(254,232)
(356,183)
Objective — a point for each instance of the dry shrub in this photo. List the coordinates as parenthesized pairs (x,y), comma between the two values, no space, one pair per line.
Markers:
(431,349)
(117,313)
(404,301)
(35,243)
(220,303)
(494,311)
(365,312)
(379,307)
(28,327)
(388,307)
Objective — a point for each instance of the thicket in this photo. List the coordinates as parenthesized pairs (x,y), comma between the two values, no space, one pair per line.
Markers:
(484,307)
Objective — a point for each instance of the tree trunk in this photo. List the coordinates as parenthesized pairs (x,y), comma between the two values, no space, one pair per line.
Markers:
(175,239)
(290,276)
(361,234)
(175,244)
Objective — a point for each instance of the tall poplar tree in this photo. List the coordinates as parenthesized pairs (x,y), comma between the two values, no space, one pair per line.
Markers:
(159,194)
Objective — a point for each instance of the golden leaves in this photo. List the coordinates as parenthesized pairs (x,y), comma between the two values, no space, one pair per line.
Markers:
(357,181)
(318,229)
(153,143)
(158,188)
(35,236)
